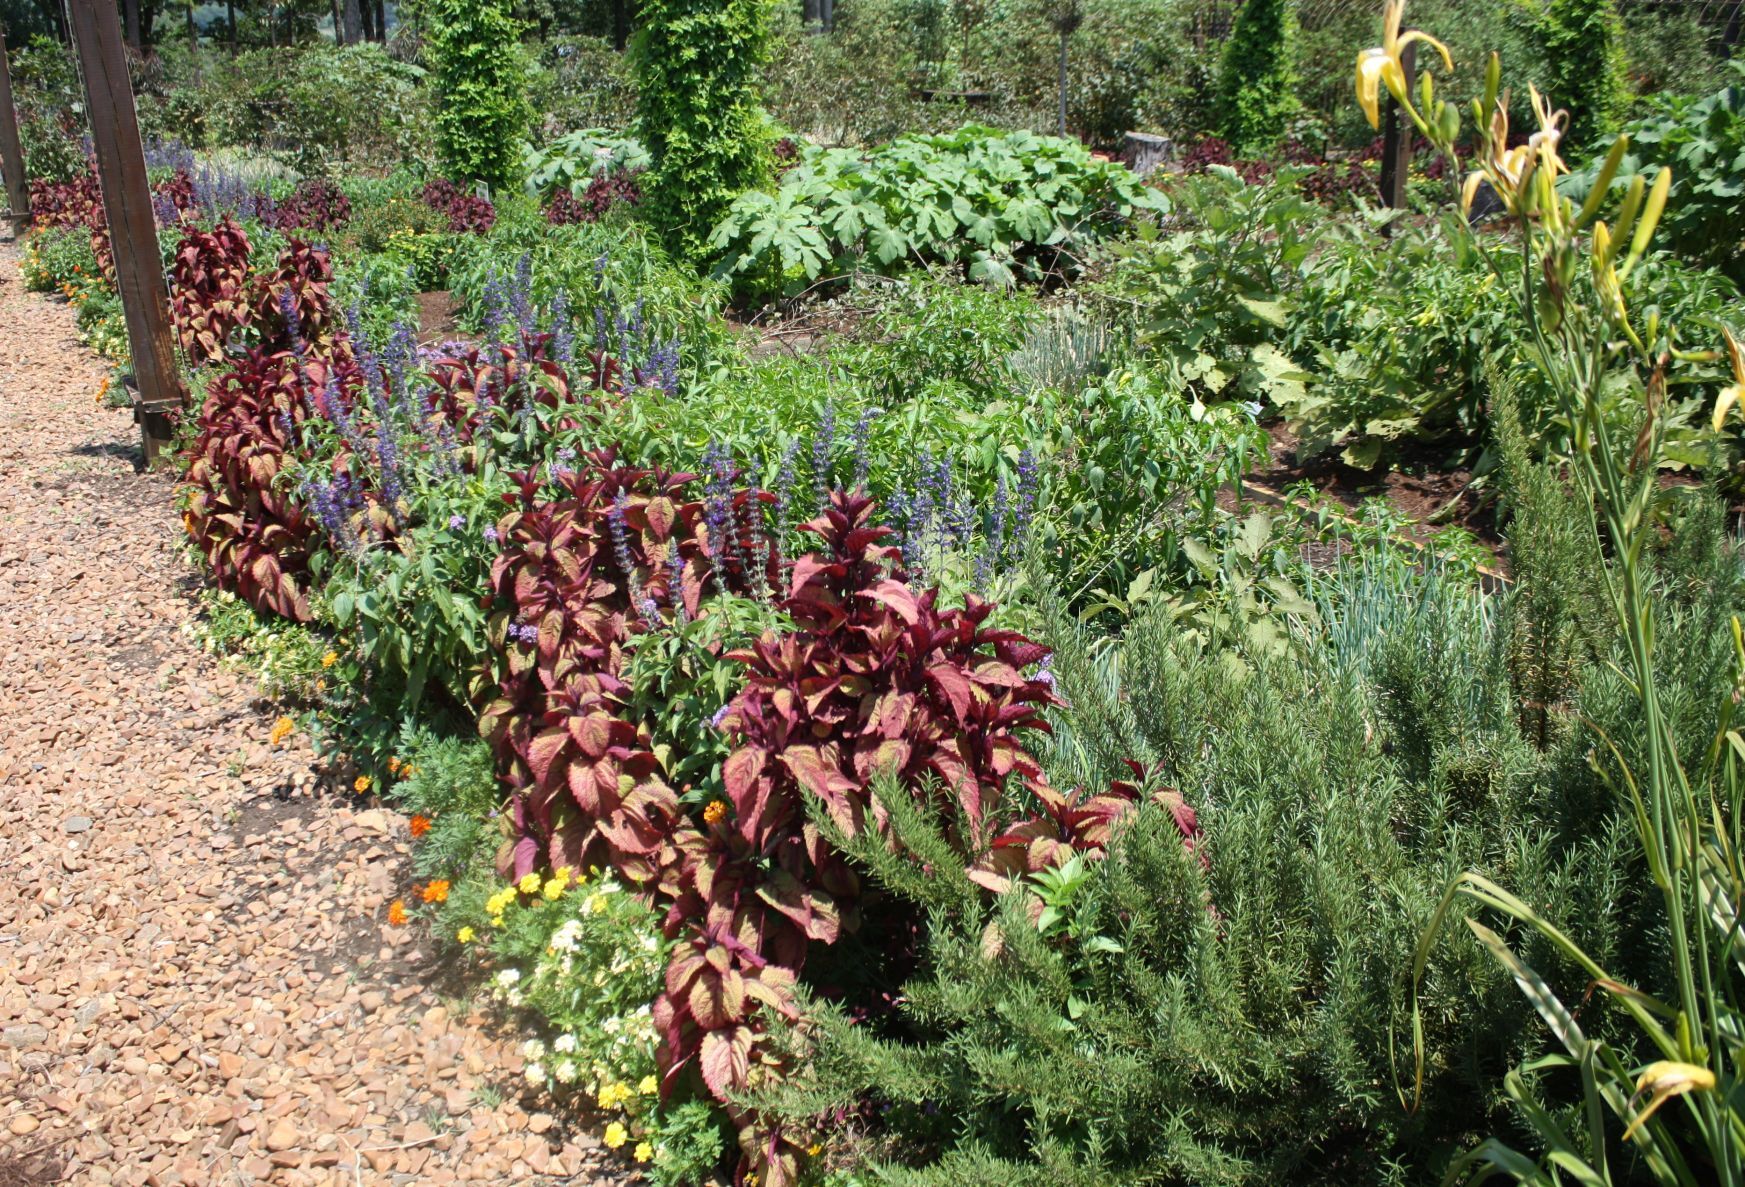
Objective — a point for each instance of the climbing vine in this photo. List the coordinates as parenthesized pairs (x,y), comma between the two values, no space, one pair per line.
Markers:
(697,66)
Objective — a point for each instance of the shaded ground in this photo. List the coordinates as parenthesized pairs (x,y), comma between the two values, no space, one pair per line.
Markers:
(197,983)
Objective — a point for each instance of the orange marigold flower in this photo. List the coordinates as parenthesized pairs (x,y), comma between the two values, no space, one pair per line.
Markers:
(420,825)
(436,891)
(361,784)
(397,913)
(393,766)
(715,813)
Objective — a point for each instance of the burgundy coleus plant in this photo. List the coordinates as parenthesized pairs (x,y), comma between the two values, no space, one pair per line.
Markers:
(466,213)
(876,678)
(254,530)
(469,381)
(212,292)
(873,678)
(1064,825)
(577,575)
(293,304)
(315,205)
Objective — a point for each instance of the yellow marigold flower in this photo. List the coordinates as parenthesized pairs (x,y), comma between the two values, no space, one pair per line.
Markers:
(283,728)
(615,1136)
(715,813)
(464,935)
(643,1152)
(649,1086)
(814,1150)
(361,784)
(331,658)
(529,883)
(554,888)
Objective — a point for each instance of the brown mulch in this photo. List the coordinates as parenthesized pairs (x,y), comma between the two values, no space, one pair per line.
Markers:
(437,316)
(197,981)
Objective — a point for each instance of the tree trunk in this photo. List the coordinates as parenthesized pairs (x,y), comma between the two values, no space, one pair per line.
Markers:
(1063,39)
(193,29)
(1730,37)
(827,14)
(382,21)
(620,24)
(810,14)
(354,26)
(230,19)
(130,11)
(367,12)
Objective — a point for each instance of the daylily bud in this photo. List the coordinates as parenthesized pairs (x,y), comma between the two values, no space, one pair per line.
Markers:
(1448,123)
(1602,183)
(1650,218)
(1493,79)
(1628,211)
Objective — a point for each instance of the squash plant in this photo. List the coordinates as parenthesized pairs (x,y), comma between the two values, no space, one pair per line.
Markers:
(1004,205)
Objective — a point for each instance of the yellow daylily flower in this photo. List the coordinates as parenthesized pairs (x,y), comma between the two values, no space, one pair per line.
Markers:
(1381,66)
(1663,1080)
(1733,393)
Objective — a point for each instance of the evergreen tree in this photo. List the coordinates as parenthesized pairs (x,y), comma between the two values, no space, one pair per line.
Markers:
(1257,77)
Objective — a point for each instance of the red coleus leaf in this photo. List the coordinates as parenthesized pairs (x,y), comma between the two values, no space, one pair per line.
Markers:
(725,1060)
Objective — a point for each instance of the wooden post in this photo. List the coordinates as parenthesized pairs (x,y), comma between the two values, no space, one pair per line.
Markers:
(139,271)
(12,151)
(1396,142)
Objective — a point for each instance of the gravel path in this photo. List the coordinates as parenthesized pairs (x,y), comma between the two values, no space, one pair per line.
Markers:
(197,982)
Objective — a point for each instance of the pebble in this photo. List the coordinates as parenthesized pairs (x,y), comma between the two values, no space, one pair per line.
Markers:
(191,994)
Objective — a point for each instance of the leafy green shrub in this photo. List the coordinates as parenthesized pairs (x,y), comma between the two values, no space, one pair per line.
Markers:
(581,82)
(1257,76)
(1207,298)
(1398,336)
(1585,69)
(318,109)
(698,63)
(60,256)
(480,84)
(1703,141)
(1003,205)
(571,161)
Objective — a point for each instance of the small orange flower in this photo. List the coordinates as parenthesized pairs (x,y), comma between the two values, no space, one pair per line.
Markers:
(420,825)
(436,891)
(397,913)
(715,813)
(393,766)
(361,784)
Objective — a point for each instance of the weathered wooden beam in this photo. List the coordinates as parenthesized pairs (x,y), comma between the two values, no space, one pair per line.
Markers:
(12,151)
(139,271)
(1396,142)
